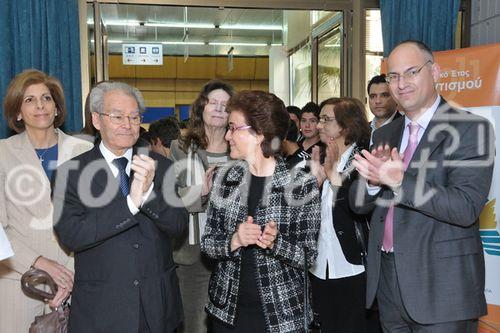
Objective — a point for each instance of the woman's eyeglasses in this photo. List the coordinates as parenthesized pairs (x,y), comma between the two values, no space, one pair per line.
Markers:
(326,119)
(231,128)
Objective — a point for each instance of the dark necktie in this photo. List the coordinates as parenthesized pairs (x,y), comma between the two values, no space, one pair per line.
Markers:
(121,164)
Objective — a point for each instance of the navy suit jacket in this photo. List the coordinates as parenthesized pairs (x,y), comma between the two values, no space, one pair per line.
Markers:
(121,260)
(437,249)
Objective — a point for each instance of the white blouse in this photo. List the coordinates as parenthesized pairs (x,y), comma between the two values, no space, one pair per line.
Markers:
(329,250)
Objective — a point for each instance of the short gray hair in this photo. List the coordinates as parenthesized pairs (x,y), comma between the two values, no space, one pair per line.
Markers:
(97,94)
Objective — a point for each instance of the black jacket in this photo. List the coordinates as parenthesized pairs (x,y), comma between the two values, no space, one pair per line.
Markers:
(121,259)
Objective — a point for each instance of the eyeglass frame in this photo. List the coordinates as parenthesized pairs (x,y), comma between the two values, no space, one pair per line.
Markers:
(409,74)
(325,119)
(114,120)
(237,128)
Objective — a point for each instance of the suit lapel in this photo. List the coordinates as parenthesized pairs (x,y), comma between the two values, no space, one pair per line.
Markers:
(434,135)
(27,155)
(103,174)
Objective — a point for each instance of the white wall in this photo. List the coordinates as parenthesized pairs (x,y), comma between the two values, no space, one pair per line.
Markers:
(297,27)
(485,22)
(279,74)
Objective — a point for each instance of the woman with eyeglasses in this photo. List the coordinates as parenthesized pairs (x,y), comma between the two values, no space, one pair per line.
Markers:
(34,107)
(262,224)
(196,154)
(338,275)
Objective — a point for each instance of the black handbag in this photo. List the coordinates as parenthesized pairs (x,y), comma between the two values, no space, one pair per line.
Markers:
(55,321)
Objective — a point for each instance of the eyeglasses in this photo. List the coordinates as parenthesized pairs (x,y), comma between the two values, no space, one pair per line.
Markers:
(325,119)
(408,75)
(217,104)
(119,119)
(232,128)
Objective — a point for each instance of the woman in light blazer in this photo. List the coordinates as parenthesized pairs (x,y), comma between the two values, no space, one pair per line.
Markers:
(34,107)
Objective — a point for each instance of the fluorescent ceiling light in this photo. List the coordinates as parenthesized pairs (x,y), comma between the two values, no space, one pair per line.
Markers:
(250,27)
(111,41)
(116,41)
(237,44)
(134,23)
(181,25)
(183,43)
(123,23)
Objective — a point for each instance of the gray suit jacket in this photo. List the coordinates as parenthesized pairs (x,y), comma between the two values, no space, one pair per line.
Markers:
(437,248)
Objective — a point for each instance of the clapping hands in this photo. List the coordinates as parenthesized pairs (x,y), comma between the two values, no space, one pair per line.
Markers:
(249,233)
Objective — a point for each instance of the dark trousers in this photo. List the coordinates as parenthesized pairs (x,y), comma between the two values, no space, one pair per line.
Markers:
(393,315)
(341,304)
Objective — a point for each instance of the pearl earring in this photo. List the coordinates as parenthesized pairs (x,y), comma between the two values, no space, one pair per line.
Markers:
(19,118)
(55,115)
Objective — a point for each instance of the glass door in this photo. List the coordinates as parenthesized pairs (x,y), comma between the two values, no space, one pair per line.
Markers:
(329,64)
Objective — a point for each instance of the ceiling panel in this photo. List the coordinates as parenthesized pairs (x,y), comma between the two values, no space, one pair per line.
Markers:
(127,22)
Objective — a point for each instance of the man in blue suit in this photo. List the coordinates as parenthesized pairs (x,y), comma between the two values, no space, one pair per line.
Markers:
(426,181)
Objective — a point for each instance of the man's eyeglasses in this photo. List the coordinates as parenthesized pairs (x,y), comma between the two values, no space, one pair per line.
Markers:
(408,75)
(119,119)
(326,119)
(232,128)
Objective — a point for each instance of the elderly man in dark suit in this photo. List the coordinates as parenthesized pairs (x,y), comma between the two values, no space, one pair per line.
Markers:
(428,178)
(116,211)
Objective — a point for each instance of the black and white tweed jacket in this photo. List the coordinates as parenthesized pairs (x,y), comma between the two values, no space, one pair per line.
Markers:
(293,201)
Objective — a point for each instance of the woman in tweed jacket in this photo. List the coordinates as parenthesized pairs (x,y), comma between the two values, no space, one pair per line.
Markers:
(262,225)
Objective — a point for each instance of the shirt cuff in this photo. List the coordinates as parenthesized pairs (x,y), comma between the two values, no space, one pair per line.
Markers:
(131,206)
(372,190)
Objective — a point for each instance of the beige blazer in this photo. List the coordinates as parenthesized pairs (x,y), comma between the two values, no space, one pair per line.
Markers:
(25,204)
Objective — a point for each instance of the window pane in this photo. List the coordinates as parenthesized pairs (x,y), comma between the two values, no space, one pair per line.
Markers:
(300,65)
(374,47)
(329,57)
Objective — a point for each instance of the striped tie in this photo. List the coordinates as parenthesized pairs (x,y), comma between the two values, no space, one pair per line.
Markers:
(121,164)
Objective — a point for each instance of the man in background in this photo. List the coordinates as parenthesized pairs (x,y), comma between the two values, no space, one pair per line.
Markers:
(162,132)
(382,105)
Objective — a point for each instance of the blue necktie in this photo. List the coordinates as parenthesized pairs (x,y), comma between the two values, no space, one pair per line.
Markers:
(121,164)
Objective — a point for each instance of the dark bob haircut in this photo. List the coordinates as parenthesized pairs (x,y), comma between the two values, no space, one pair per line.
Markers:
(267,115)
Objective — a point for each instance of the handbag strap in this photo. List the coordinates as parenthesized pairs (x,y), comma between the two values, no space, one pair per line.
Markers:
(34,277)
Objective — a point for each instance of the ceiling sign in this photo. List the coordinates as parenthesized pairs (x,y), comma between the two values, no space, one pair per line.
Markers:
(142,54)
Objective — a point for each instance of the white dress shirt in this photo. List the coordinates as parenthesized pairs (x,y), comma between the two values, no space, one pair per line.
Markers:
(329,249)
(109,156)
(5,248)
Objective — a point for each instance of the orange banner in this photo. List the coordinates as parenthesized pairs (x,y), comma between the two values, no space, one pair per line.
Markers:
(470,77)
